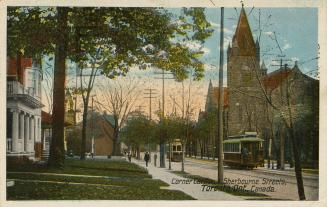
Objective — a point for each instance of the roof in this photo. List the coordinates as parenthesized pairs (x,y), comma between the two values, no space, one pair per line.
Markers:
(246,139)
(274,79)
(215,95)
(109,118)
(46,119)
(12,65)
(243,36)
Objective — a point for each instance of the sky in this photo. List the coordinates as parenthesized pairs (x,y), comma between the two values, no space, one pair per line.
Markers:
(290,32)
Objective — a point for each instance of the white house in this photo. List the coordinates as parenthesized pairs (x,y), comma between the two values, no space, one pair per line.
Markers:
(24,108)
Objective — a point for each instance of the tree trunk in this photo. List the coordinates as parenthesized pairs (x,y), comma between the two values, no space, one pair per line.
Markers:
(201,149)
(115,143)
(57,151)
(183,156)
(138,153)
(83,145)
(298,168)
(170,155)
(282,150)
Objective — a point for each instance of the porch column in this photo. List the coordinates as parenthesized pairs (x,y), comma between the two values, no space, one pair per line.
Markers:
(32,132)
(39,130)
(22,131)
(15,114)
(27,133)
(36,126)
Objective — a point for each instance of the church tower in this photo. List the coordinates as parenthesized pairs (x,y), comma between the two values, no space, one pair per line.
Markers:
(243,68)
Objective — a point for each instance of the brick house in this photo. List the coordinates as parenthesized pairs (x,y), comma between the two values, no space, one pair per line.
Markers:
(99,135)
(24,105)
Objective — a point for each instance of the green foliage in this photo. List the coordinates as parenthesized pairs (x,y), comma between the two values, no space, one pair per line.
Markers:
(207,125)
(113,39)
(31,30)
(138,130)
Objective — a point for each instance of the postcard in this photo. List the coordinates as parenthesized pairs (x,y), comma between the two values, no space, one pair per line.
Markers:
(163,103)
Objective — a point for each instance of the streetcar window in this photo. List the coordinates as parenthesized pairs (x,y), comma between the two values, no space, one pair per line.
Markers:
(231,147)
(174,148)
(179,148)
(237,147)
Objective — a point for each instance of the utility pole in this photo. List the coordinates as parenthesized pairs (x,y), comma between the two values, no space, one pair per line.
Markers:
(140,108)
(150,92)
(162,141)
(221,102)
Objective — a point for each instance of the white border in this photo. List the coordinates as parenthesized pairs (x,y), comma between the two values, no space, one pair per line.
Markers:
(322,39)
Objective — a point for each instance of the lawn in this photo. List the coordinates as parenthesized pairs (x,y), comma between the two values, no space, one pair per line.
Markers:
(89,179)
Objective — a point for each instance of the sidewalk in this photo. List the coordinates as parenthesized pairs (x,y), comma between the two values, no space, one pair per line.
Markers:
(194,190)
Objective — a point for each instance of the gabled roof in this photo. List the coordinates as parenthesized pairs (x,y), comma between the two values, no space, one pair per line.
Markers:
(274,79)
(243,36)
(109,118)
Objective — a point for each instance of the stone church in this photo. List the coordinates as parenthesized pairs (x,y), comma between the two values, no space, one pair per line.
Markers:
(246,108)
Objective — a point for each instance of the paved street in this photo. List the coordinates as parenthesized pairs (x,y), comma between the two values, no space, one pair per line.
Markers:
(287,190)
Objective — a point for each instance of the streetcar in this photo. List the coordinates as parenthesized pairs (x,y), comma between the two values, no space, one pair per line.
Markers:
(176,148)
(243,151)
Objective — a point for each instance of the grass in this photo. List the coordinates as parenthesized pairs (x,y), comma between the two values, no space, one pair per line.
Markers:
(118,180)
(311,171)
(89,167)
(222,187)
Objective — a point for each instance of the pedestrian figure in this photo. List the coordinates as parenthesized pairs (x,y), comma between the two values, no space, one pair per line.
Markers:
(155,159)
(146,158)
(129,157)
(245,152)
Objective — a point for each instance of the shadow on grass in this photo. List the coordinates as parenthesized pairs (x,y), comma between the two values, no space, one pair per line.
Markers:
(119,180)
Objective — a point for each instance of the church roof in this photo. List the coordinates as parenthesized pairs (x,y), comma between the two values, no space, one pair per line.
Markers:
(263,66)
(215,96)
(275,78)
(243,36)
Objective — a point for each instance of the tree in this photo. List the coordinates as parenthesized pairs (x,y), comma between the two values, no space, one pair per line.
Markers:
(287,113)
(136,131)
(57,151)
(119,100)
(135,37)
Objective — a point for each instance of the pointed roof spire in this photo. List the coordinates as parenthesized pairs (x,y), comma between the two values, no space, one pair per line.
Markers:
(243,35)
(210,84)
(257,43)
(263,66)
(295,65)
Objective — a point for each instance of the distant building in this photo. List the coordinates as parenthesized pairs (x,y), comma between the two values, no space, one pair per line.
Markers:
(99,129)
(47,134)
(24,105)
